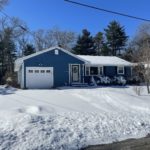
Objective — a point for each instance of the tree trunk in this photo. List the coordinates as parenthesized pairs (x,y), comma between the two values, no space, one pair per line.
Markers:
(148,89)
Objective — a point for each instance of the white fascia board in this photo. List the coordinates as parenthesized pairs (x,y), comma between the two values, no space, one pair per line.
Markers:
(91,64)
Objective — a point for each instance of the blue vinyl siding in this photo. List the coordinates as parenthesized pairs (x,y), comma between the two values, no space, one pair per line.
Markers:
(59,62)
(111,71)
(128,71)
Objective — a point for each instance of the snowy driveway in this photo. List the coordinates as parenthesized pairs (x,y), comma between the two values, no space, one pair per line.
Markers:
(77,100)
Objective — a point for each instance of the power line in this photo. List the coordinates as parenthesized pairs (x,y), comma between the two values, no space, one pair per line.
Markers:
(108,11)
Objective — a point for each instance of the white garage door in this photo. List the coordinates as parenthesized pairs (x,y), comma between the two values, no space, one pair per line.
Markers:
(39,77)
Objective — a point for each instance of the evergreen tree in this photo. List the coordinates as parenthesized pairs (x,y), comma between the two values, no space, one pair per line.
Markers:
(29,49)
(116,37)
(99,42)
(85,44)
(105,51)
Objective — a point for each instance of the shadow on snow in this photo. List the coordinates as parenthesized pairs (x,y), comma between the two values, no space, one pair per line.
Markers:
(5,90)
(91,87)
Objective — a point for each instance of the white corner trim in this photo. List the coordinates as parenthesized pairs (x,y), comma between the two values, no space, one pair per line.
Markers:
(99,70)
(69,73)
(22,76)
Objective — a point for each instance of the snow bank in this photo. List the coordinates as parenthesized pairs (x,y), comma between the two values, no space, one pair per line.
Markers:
(68,130)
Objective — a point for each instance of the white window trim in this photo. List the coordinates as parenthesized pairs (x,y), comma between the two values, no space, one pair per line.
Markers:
(99,70)
(118,70)
(90,72)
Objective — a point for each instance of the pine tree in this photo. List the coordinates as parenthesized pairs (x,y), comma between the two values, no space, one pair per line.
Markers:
(99,42)
(105,51)
(85,44)
(29,49)
(116,37)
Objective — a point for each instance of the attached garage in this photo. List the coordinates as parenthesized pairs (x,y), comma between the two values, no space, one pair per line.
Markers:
(39,77)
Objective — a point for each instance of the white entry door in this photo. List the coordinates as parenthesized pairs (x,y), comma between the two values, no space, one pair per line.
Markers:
(39,77)
(75,73)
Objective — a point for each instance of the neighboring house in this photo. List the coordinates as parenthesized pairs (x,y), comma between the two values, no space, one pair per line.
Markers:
(56,67)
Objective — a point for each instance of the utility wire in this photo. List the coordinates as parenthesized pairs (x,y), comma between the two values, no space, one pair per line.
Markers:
(108,11)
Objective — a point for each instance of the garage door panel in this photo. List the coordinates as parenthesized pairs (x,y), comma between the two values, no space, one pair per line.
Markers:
(39,77)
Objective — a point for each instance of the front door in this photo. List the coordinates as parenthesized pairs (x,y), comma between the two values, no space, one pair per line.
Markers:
(75,73)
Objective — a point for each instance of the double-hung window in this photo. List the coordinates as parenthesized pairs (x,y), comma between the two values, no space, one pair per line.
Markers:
(120,70)
(93,71)
(101,70)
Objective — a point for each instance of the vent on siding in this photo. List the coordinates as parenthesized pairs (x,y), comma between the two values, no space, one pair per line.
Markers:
(56,52)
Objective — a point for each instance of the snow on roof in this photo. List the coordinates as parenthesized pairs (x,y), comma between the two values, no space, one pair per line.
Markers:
(105,60)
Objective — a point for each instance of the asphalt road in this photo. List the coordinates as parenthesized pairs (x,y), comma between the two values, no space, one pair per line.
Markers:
(130,144)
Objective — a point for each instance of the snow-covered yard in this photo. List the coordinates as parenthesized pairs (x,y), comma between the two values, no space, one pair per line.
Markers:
(71,118)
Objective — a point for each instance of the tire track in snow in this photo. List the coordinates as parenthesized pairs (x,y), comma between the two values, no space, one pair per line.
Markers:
(100,100)
(113,102)
(43,101)
(123,105)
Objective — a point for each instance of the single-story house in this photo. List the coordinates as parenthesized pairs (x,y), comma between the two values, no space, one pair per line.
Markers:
(56,67)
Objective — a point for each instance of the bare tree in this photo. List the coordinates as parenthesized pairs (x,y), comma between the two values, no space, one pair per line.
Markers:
(10,33)
(3,3)
(145,58)
(143,52)
(40,39)
(65,39)
(19,31)
(22,42)
(47,38)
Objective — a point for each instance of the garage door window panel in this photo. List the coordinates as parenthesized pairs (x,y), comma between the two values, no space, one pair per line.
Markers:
(48,71)
(42,71)
(36,71)
(30,71)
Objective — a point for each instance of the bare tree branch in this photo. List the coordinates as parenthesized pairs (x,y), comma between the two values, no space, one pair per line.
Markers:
(3,3)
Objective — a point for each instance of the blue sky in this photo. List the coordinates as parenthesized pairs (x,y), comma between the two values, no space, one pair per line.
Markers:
(43,14)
